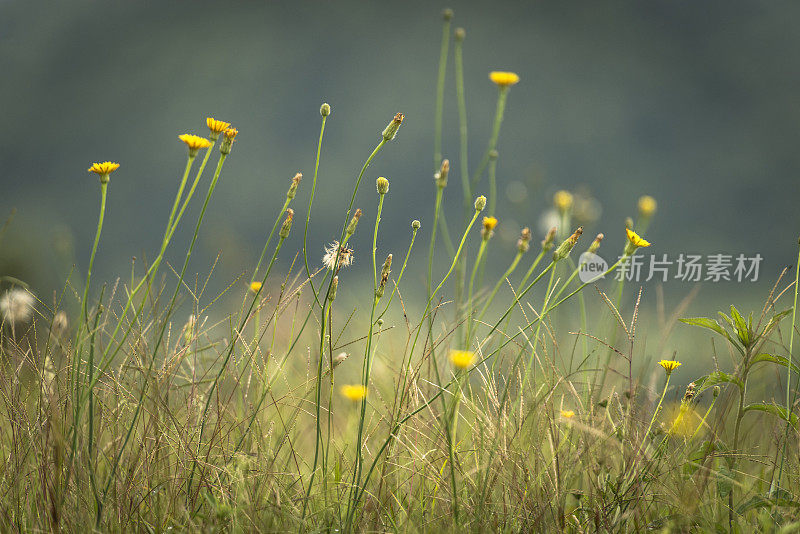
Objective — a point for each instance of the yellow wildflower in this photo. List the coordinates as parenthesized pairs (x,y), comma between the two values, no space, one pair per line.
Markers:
(354,392)
(634,241)
(563,200)
(216,126)
(647,206)
(194,142)
(489,223)
(231,133)
(107,167)
(567,414)
(504,79)
(669,365)
(255,287)
(462,358)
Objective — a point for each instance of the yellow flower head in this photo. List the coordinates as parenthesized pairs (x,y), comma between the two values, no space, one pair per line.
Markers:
(504,79)
(194,142)
(563,200)
(105,168)
(230,133)
(216,126)
(669,365)
(647,206)
(255,287)
(567,414)
(489,223)
(354,392)
(462,358)
(634,241)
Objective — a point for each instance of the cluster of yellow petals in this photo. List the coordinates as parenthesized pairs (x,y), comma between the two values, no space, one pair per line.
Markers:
(504,79)
(567,414)
(194,142)
(255,287)
(354,392)
(230,133)
(104,168)
(636,240)
(462,359)
(647,206)
(669,365)
(489,223)
(216,126)
(563,200)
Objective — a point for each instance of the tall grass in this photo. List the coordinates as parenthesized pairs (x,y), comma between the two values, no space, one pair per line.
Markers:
(157,405)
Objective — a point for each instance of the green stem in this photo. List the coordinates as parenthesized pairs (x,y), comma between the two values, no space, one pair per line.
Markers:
(475,267)
(498,120)
(308,212)
(437,140)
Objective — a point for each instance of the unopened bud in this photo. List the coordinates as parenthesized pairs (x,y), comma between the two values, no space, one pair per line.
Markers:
(227,141)
(566,247)
(325,109)
(549,239)
(385,271)
(493,155)
(523,243)
(596,243)
(715,391)
(294,185)
(480,203)
(689,394)
(415,225)
(382,185)
(628,223)
(460,34)
(334,288)
(441,177)
(351,228)
(287,224)
(447,13)
(391,129)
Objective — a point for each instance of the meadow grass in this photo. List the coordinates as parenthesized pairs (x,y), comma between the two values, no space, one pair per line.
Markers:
(477,403)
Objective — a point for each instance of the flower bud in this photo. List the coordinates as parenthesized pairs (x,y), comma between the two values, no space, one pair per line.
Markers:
(596,243)
(523,243)
(480,203)
(415,225)
(715,392)
(447,13)
(334,288)
(493,155)
(294,185)
(387,268)
(382,185)
(549,239)
(227,141)
(689,394)
(391,129)
(566,247)
(647,206)
(441,177)
(460,34)
(351,228)
(339,358)
(488,227)
(563,201)
(325,109)
(287,224)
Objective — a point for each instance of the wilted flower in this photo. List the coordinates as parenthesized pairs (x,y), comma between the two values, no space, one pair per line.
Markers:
(345,256)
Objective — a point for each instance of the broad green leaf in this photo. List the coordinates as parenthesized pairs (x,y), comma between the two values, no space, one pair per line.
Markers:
(741,327)
(774,409)
(705,322)
(717,377)
(780,360)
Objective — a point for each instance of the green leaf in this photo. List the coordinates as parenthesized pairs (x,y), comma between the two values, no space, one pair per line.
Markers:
(780,360)
(774,409)
(774,320)
(717,377)
(741,327)
(705,322)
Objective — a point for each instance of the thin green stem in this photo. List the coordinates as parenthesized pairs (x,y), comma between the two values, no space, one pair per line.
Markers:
(308,212)
(498,121)
(437,139)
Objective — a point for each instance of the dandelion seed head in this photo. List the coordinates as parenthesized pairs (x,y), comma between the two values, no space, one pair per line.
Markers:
(16,305)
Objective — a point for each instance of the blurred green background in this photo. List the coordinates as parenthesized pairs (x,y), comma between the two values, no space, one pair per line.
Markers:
(694,103)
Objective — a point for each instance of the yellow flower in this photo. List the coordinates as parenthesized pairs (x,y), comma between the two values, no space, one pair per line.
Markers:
(489,223)
(230,133)
(504,79)
(647,206)
(635,241)
(255,287)
(462,358)
(105,168)
(567,414)
(669,365)
(194,142)
(563,200)
(216,126)
(354,392)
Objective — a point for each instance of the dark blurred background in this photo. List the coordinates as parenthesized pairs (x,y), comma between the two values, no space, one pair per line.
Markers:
(694,103)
